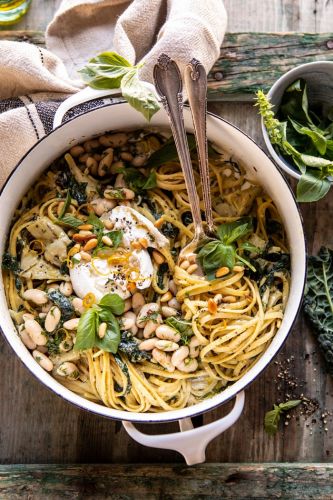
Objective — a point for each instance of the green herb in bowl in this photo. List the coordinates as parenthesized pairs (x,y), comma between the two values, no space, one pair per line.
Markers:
(303,135)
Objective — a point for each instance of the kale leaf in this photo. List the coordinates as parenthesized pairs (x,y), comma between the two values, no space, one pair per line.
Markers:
(130,347)
(318,301)
(10,263)
(77,190)
(64,304)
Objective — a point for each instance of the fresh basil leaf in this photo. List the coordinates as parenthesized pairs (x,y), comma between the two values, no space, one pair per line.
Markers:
(71,221)
(151,181)
(105,315)
(168,152)
(116,237)
(318,301)
(105,70)
(316,137)
(248,247)
(87,330)
(137,181)
(288,405)
(113,302)
(311,188)
(95,221)
(181,326)
(247,263)
(66,205)
(216,254)
(232,231)
(315,162)
(272,419)
(139,95)
(111,339)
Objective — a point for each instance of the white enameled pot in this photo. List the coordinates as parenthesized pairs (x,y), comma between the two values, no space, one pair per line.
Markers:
(190,442)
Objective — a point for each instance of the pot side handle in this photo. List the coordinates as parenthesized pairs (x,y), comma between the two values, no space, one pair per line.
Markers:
(85,95)
(190,442)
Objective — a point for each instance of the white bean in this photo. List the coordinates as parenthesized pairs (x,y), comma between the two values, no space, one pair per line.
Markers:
(188,365)
(27,340)
(72,324)
(78,305)
(165,332)
(120,181)
(128,320)
(26,316)
(168,311)
(163,359)
(43,360)
(174,303)
(128,304)
(148,345)
(114,140)
(52,319)
(37,296)
(68,369)
(173,287)
(101,205)
(35,331)
(145,312)
(166,345)
(137,300)
(139,160)
(179,355)
(149,329)
(66,288)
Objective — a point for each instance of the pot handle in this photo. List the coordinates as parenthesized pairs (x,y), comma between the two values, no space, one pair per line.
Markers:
(190,442)
(84,95)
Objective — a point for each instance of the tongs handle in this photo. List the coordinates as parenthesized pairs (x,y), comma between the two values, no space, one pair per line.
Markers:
(195,78)
(168,84)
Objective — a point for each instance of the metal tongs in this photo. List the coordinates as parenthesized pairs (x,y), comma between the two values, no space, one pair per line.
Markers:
(168,83)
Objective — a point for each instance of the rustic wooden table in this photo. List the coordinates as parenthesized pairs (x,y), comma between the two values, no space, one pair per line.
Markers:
(36,427)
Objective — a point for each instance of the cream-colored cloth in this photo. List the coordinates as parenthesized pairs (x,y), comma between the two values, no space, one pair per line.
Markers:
(34,81)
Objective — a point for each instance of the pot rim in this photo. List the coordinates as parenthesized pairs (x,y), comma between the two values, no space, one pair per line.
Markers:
(150,417)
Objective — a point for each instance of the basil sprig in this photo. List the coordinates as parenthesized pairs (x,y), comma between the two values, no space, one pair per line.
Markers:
(109,70)
(272,417)
(87,331)
(222,252)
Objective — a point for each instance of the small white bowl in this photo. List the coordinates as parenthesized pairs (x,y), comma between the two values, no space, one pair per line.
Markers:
(319,78)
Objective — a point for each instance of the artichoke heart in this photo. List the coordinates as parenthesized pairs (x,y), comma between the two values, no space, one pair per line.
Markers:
(54,238)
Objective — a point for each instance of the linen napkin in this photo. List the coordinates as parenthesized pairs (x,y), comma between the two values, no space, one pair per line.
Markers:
(34,81)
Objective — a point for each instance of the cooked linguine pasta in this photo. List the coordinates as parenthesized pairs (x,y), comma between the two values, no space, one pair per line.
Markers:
(94,288)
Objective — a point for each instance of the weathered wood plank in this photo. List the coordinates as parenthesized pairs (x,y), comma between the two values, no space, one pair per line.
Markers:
(248,61)
(214,481)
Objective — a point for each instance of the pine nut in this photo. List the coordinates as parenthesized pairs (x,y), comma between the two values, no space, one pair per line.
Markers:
(222,271)
(86,227)
(39,297)
(102,330)
(108,224)
(66,288)
(166,297)
(85,256)
(52,319)
(192,268)
(76,151)
(90,245)
(185,264)
(83,237)
(69,370)
(149,329)
(143,242)
(166,345)
(107,241)
(188,365)
(43,360)
(168,311)
(238,269)
(212,306)
(158,258)
(179,355)
(137,300)
(229,299)
(148,345)
(35,331)
(27,340)
(192,258)
(72,324)
(163,359)
(165,332)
